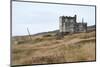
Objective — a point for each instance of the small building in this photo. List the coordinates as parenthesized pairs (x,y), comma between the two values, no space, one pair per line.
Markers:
(70,25)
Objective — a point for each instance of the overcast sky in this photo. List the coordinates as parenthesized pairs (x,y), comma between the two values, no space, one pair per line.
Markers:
(40,17)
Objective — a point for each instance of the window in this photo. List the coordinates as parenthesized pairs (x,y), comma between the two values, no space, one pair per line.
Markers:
(66,20)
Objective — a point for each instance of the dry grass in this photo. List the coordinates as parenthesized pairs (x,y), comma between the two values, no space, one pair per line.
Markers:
(47,49)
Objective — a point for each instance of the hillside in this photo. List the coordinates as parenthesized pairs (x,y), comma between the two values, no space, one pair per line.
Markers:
(46,48)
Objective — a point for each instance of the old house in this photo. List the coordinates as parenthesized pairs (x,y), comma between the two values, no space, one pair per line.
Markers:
(70,25)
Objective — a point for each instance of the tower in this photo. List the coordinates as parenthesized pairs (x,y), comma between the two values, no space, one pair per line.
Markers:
(67,23)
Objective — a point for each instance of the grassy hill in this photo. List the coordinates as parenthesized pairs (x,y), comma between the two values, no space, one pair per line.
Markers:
(46,48)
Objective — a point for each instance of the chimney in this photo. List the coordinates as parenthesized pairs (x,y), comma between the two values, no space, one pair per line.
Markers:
(82,20)
(75,17)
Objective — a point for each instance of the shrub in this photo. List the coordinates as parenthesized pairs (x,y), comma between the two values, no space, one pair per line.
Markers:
(47,35)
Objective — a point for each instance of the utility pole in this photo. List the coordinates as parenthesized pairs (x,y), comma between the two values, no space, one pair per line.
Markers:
(29,33)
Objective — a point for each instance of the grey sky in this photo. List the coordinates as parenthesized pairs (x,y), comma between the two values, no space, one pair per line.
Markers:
(40,17)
